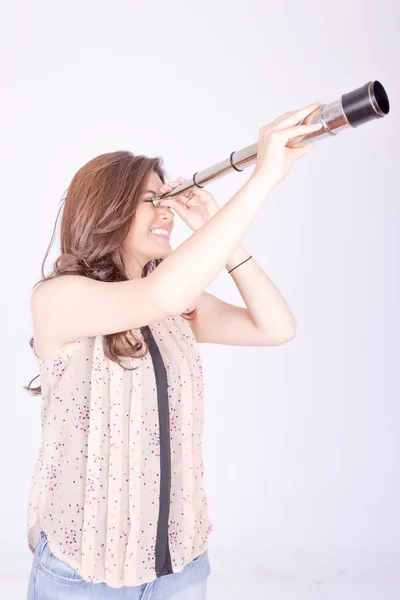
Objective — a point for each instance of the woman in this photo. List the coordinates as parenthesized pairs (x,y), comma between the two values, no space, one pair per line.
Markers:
(116,506)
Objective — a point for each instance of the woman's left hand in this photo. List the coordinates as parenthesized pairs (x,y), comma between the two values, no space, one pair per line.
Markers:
(195,207)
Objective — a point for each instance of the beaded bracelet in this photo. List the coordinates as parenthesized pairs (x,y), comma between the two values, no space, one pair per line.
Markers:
(240,264)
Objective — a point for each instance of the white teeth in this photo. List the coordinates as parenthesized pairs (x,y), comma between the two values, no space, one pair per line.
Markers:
(162,231)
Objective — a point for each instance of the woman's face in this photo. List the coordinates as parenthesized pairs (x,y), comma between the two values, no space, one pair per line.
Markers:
(142,241)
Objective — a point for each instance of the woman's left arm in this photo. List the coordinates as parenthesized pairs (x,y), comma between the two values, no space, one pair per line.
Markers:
(266,320)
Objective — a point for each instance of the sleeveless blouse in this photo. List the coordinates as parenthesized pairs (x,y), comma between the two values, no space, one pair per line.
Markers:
(117,484)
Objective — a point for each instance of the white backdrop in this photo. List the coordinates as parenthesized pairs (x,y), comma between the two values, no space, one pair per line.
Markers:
(301,441)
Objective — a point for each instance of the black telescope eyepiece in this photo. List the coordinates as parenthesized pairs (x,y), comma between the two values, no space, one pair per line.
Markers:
(367,102)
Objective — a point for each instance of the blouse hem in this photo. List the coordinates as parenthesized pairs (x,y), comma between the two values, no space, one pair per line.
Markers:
(108,581)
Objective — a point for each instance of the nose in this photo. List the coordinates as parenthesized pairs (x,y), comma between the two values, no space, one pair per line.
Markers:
(166,213)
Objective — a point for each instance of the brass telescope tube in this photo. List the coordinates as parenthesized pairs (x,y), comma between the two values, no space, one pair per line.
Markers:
(354,108)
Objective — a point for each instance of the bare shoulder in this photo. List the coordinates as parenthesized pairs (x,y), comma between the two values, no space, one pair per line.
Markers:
(45,290)
(46,345)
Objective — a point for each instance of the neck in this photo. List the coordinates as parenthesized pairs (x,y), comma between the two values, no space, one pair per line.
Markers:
(135,267)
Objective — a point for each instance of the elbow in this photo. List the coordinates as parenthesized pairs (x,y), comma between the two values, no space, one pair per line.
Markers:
(290,335)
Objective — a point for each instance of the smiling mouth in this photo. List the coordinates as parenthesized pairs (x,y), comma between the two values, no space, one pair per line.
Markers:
(164,235)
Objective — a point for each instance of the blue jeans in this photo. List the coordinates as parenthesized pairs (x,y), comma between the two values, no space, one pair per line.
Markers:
(53,579)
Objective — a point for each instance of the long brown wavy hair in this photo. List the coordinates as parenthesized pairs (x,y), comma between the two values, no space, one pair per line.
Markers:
(99,207)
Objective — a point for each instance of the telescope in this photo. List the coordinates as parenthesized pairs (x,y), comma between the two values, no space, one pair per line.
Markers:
(352,109)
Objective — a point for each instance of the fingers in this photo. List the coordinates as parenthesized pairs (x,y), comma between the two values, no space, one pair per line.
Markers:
(304,150)
(171,185)
(292,118)
(176,202)
(167,187)
(296,131)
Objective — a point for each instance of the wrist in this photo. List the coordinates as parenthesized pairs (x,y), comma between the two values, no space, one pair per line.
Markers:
(261,183)
(237,256)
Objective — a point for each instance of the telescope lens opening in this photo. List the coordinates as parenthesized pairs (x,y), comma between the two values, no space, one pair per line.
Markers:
(381,97)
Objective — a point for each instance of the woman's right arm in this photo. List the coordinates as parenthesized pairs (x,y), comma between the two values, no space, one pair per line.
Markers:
(71,307)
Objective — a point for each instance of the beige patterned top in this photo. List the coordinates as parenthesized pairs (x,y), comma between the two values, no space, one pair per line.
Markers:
(95,489)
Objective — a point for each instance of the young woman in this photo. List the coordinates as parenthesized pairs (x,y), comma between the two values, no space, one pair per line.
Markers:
(116,507)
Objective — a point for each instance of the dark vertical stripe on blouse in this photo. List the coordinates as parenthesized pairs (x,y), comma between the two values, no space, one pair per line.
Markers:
(163,559)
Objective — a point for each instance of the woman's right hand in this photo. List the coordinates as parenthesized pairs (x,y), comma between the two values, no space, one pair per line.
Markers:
(274,158)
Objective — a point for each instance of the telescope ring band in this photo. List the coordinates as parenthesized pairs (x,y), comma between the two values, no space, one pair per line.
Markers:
(232,163)
(194,181)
